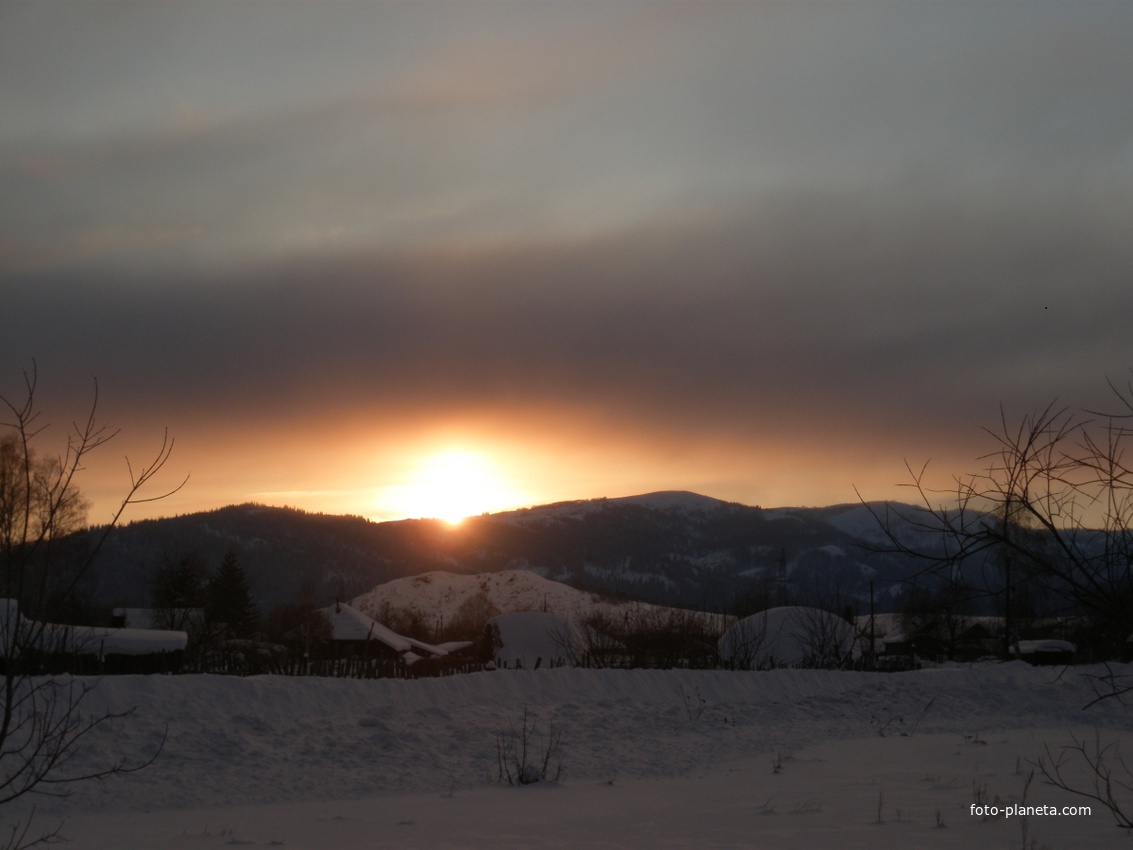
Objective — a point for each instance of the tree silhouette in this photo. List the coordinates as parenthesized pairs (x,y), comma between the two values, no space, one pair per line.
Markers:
(1049,519)
(45,720)
(179,589)
(229,599)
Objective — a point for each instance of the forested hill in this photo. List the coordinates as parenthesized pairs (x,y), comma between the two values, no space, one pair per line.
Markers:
(673,548)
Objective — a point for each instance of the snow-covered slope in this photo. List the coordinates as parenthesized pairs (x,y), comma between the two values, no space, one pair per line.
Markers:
(440,594)
(679,501)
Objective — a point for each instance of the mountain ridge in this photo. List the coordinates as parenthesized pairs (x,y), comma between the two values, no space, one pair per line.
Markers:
(669,547)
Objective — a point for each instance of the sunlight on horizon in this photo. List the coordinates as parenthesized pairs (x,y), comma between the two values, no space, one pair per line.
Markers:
(451,485)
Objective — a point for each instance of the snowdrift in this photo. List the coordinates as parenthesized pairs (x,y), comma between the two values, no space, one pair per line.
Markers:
(788,636)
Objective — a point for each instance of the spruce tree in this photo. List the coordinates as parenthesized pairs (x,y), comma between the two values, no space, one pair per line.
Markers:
(229,599)
(178,590)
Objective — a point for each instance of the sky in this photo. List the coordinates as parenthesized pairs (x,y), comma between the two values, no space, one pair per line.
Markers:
(423,258)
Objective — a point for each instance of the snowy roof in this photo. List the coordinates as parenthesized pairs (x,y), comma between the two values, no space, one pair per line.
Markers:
(89,640)
(426,647)
(1032,647)
(454,645)
(351,624)
(102,642)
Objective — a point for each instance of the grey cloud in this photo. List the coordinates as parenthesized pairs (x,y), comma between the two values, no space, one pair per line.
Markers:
(825,308)
(756,218)
(295,144)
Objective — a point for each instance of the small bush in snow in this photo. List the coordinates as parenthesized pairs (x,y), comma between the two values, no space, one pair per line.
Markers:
(524,756)
(694,703)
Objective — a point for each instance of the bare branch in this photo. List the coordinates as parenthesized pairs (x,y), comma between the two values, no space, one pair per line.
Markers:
(1106,774)
(1049,517)
(44,722)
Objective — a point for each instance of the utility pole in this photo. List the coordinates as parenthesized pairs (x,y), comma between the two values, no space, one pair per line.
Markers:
(872,648)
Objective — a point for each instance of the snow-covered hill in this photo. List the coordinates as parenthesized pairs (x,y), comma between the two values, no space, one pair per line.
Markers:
(670,501)
(439,595)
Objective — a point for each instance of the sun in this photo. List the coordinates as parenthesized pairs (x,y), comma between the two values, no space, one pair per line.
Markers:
(453,484)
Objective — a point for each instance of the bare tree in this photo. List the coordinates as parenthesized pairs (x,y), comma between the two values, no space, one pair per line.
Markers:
(590,640)
(43,721)
(1049,518)
(641,636)
(825,638)
(470,619)
(934,616)
(743,646)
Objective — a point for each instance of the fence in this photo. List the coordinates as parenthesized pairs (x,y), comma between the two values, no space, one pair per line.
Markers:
(265,662)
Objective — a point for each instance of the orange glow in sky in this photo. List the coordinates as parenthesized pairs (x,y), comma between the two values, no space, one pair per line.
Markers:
(451,485)
(459,467)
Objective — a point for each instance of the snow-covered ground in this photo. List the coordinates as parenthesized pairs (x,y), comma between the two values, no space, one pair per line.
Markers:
(704,759)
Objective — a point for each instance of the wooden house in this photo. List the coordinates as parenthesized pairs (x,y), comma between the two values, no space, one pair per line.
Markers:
(354,634)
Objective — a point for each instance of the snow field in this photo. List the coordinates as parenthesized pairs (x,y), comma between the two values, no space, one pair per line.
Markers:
(876,793)
(652,759)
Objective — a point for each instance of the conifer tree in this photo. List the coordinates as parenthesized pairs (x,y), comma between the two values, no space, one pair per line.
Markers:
(229,598)
(178,590)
